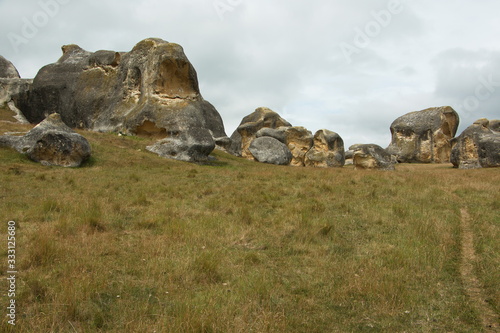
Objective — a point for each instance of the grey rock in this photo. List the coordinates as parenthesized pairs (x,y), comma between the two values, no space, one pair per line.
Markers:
(246,132)
(371,156)
(327,151)
(424,136)
(477,147)
(193,145)
(277,133)
(51,143)
(151,90)
(7,69)
(269,150)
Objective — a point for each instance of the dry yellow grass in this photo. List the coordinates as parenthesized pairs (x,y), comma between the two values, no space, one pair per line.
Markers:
(135,243)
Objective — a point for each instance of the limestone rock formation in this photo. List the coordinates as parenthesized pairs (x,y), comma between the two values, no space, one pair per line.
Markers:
(151,91)
(371,156)
(13,91)
(327,151)
(250,125)
(424,136)
(51,143)
(190,146)
(7,69)
(270,150)
(478,146)
(298,140)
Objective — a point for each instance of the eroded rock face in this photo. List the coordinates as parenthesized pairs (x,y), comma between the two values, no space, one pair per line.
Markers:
(478,146)
(270,150)
(424,136)
(51,143)
(371,156)
(327,151)
(250,125)
(150,91)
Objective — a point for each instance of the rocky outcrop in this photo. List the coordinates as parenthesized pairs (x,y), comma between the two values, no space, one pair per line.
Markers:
(248,128)
(371,156)
(424,136)
(51,143)
(150,91)
(327,151)
(478,146)
(270,150)
(7,69)
(14,91)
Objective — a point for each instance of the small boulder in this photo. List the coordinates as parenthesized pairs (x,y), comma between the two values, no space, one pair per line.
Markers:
(194,145)
(371,156)
(478,146)
(424,136)
(327,151)
(51,143)
(269,150)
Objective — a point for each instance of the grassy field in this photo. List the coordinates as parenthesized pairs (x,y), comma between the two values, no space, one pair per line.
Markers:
(132,242)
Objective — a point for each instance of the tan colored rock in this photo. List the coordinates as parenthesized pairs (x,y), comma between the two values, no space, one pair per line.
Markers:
(371,156)
(246,132)
(424,136)
(299,140)
(327,151)
(478,146)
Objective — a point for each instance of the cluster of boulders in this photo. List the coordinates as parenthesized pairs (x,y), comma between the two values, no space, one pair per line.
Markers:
(153,91)
(266,137)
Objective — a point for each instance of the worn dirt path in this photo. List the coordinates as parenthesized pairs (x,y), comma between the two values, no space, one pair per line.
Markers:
(472,285)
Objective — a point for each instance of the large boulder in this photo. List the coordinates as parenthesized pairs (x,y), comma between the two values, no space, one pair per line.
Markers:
(478,146)
(298,140)
(51,143)
(150,91)
(246,132)
(371,156)
(7,69)
(193,145)
(269,150)
(424,136)
(13,92)
(327,151)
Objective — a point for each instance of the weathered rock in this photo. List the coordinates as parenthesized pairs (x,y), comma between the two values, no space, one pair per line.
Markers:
(193,145)
(269,150)
(51,143)
(7,69)
(424,136)
(248,128)
(13,91)
(327,151)
(298,140)
(371,156)
(277,133)
(151,91)
(477,147)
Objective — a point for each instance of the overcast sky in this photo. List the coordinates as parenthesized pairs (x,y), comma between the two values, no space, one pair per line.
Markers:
(350,66)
